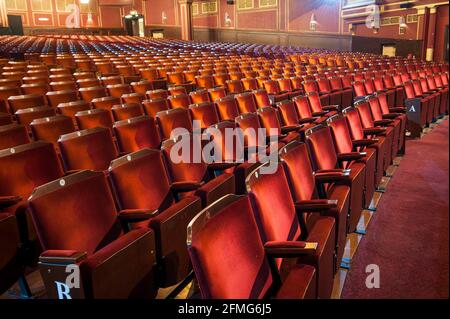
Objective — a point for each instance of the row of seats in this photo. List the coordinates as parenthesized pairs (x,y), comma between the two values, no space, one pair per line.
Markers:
(124,204)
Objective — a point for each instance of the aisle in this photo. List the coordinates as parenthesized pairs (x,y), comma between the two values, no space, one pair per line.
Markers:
(408,235)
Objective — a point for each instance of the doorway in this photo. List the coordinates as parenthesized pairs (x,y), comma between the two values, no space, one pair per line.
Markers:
(389,50)
(15,24)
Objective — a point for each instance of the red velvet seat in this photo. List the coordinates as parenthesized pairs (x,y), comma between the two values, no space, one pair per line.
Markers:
(346,93)
(71,108)
(200,96)
(12,135)
(252,276)
(77,223)
(246,103)
(105,103)
(309,188)
(311,86)
(272,87)
(22,168)
(217,93)
(126,111)
(87,149)
(305,112)
(157,94)
(396,113)
(57,97)
(94,118)
(250,84)
(179,101)
(385,120)
(368,124)
(427,90)
(325,89)
(276,212)
(170,120)
(153,106)
(359,133)
(193,176)
(36,88)
(234,158)
(286,85)
(177,90)
(235,86)
(88,83)
(204,113)
(289,116)
(26,116)
(137,133)
(132,98)
(151,204)
(142,86)
(20,102)
(391,93)
(344,144)
(51,128)
(326,159)
(317,108)
(227,108)
(91,93)
(269,119)
(178,79)
(205,82)
(399,90)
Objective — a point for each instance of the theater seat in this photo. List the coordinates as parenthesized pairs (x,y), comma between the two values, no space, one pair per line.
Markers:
(227,108)
(151,204)
(51,128)
(276,212)
(57,97)
(153,106)
(20,102)
(369,124)
(308,188)
(318,109)
(325,159)
(205,114)
(12,135)
(170,120)
(87,149)
(127,111)
(137,133)
(94,118)
(345,145)
(191,175)
(77,223)
(22,168)
(252,277)
(246,103)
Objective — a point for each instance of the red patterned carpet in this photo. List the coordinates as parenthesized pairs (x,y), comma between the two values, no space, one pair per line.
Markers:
(408,236)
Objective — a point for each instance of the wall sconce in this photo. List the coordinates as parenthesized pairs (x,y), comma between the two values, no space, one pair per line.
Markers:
(89,20)
(375,27)
(313,23)
(227,20)
(164,17)
(84,1)
(402,26)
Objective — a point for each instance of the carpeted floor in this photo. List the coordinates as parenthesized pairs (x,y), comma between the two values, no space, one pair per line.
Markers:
(408,237)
